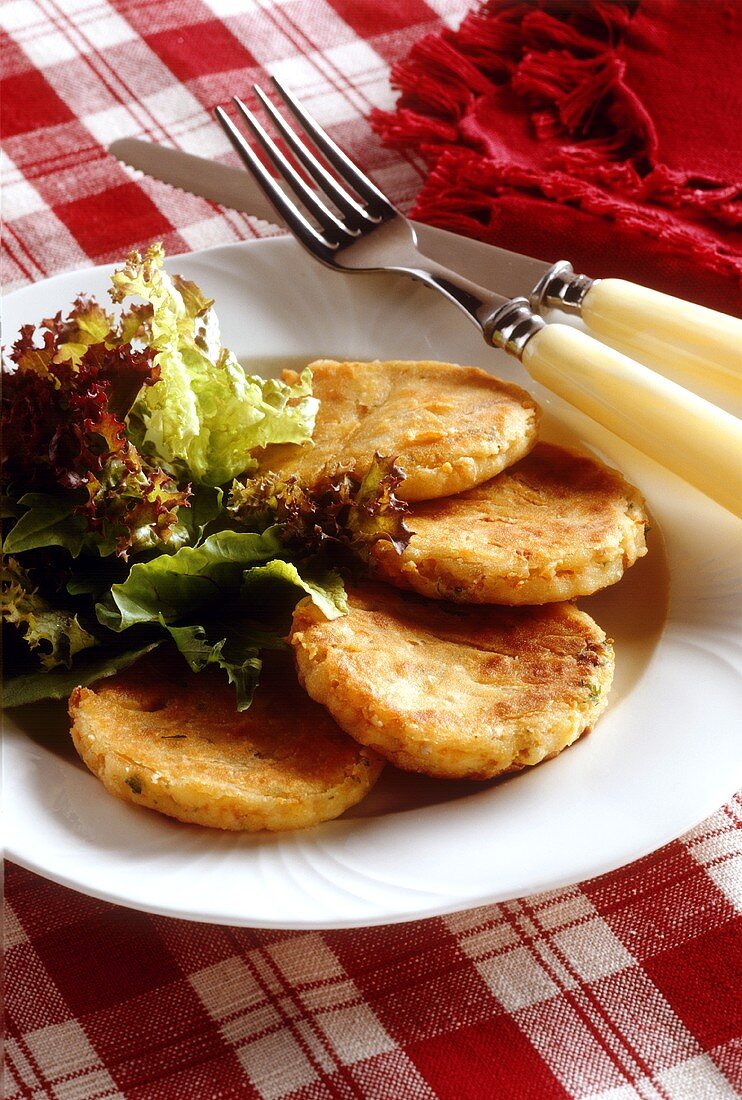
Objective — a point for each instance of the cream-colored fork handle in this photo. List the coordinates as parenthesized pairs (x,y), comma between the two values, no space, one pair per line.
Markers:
(692,437)
(687,343)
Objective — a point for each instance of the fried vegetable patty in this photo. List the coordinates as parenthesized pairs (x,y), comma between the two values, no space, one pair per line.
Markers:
(555,526)
(447,427)
(454,691)
(172,740)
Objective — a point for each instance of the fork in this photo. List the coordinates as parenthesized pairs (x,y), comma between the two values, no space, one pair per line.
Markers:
(349,225)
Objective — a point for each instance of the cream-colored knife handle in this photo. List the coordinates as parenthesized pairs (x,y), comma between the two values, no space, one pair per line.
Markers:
(692,437)
(690,344)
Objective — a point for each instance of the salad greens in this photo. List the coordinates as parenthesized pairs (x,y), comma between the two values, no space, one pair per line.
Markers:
(123,526)
(57,634)
(206,415)
(96,665)
(340,509)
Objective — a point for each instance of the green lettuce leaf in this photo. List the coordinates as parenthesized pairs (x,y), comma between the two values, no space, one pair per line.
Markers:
(326,591)
(235,645)
(97,665)
(205,415)
(55,634)
(221,602)
(205,506)
(188,583)
(239,659)
(49,521)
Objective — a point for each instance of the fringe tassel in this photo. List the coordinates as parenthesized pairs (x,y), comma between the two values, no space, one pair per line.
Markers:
(562,61)
(459,192)
(438,80)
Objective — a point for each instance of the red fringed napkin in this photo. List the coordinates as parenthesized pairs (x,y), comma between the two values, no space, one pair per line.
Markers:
(606,132)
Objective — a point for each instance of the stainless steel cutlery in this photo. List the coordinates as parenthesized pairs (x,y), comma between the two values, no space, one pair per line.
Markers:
(348,224)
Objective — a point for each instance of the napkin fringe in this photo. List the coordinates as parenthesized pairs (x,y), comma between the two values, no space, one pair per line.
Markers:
(536,141)
(563,62)
(459,191)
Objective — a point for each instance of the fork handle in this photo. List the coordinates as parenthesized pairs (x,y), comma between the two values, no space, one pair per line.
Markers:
(692,437)
(690,344)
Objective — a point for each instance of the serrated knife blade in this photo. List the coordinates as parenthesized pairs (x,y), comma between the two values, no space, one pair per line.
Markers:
(504,272)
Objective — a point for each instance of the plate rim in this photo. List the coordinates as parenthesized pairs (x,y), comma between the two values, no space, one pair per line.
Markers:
(347,924)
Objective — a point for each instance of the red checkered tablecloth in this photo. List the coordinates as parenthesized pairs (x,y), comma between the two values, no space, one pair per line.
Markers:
(626,986)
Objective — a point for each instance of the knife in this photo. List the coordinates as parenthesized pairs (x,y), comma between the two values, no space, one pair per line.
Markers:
(698,348)
(496,268)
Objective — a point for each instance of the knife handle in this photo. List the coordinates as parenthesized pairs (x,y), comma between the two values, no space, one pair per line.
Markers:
(692,437)
(688,343)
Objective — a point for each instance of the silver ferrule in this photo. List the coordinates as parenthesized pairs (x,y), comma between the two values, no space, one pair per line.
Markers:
(512,326)
(560,288)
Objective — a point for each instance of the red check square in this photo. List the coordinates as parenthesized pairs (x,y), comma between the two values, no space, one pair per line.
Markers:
(368,18)
(92,979)
(22,89)
(108,223)
(491,1059)
(198,49)
(700,979)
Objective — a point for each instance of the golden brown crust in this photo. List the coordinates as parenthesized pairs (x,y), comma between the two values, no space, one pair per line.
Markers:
(448,427)
(454,691)
(555,526)
(163,737)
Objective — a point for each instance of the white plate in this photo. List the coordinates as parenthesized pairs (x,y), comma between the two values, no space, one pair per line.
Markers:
(665,755)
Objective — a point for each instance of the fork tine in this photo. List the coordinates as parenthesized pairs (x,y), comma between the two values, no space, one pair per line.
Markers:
(297,223)
(325,217)
(334,154)
(342,199)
